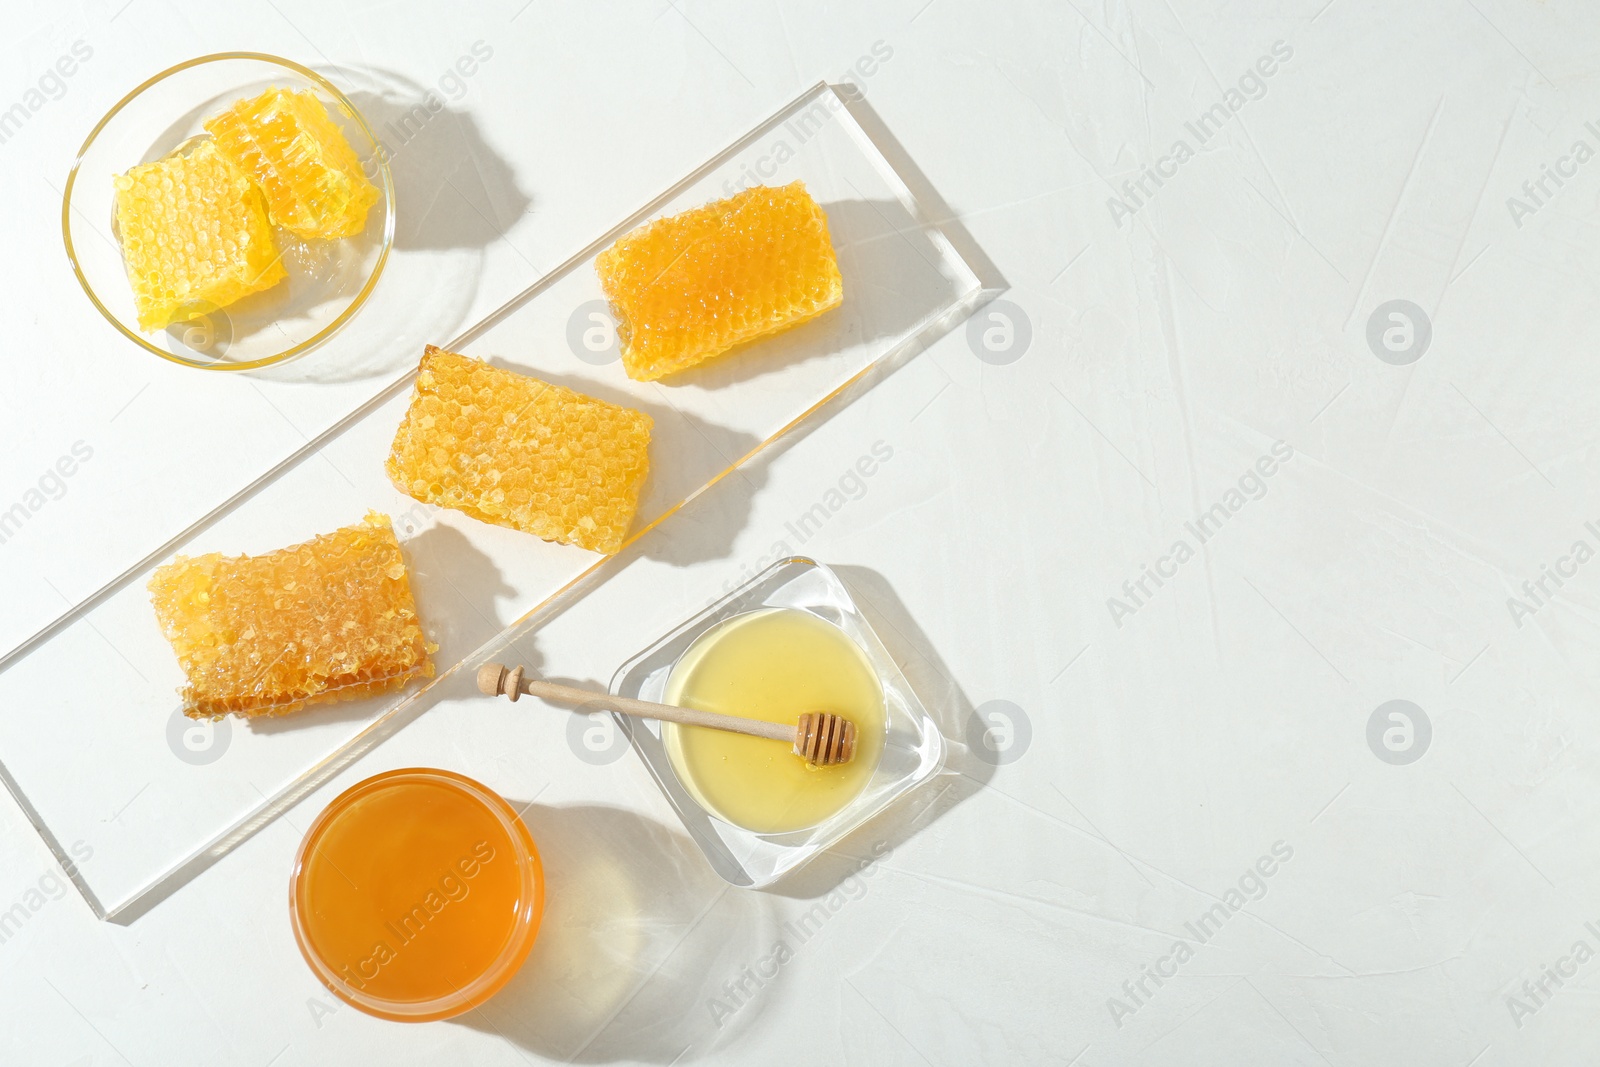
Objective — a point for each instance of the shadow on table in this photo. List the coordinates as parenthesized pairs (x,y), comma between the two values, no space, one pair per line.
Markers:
(638,939)
(454,196)
(452,190)
(963,774)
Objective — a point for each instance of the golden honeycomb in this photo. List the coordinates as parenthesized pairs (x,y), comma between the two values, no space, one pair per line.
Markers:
(515,451)
(311,176)
(691,286)
(330,619)
(194,234)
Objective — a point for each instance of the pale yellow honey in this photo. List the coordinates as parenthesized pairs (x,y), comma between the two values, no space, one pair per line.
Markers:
(772,664)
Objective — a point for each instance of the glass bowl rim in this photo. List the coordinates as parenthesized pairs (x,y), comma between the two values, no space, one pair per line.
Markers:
(355,303)
(504,967)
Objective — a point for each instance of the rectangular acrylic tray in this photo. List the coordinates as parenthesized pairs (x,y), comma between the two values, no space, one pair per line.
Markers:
(93,745)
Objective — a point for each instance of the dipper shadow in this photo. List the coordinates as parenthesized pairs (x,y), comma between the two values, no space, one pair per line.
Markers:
(964,773)
(637,936)
(892,279)
(456,588)
(686,451)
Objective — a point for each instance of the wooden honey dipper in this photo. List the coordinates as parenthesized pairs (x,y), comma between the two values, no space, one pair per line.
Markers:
(820,738)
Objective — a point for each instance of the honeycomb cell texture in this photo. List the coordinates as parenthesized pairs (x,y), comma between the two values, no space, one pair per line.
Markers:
(195,236)
(691,286)
(330,619)
(289,145)
(515,451)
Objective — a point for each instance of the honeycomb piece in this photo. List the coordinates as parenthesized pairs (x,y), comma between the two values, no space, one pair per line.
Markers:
(194,236)
(330,619)
(311,176)
(515,451)
(691,286)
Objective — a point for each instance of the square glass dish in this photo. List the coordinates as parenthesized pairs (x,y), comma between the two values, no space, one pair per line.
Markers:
(913,749)
(110,766)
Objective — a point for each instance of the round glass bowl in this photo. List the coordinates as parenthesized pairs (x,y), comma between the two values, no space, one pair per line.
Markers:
(327,281)
(416,895)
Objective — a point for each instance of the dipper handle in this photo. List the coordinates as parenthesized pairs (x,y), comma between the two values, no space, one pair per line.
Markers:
(820,737)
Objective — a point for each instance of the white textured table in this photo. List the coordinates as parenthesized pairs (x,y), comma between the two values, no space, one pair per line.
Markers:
(1289,414)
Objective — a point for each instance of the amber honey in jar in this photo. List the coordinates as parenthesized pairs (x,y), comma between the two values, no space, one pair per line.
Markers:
(416,894)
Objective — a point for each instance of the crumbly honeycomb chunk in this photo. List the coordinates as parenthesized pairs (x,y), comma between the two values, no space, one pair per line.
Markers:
(691,286)
(330,619)
(513,450)
(290,146)
(194,234)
